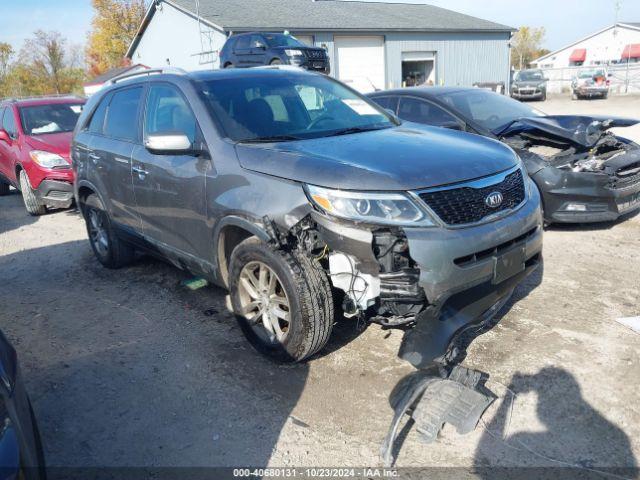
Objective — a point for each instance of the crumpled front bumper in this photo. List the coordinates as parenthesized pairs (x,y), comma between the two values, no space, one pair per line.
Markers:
(458,274)
(584,197)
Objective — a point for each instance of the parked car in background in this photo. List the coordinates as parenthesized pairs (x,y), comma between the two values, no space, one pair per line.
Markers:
(292,190)
(584,172)
(589,83)
(35,137)
(21,453)
(529,85)
(259,49)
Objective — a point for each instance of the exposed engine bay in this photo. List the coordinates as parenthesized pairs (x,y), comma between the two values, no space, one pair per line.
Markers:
(579,144)
(386,288)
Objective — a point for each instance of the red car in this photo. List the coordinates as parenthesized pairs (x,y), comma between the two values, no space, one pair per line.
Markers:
(35,138)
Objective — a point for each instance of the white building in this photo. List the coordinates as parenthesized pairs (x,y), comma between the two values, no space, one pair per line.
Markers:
(618,43)
(374,45)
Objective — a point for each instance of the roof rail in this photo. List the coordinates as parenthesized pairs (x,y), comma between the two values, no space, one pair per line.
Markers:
(142,73)
(34,97)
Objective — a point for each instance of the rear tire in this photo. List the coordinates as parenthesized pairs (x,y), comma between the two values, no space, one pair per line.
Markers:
(109,249)
(300,280)
(229,65)
(31,202)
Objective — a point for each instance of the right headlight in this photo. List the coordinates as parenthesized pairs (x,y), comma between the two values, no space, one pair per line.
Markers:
(368,207)
(292,52)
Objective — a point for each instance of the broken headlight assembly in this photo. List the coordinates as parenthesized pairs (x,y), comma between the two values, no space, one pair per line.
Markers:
(377,208)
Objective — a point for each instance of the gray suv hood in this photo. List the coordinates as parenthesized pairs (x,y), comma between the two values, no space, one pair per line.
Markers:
(399,158)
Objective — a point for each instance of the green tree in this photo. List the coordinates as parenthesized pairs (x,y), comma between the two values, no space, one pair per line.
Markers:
(525,45)
(114,25)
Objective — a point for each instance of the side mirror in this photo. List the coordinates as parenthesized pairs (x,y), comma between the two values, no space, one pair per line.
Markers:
(4,136)
(170,144)
(609,75)
(261,46)
(545,79)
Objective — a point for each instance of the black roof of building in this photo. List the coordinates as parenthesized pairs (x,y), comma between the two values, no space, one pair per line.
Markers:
(333,15)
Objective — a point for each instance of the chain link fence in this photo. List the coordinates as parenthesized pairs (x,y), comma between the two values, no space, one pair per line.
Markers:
(624,78)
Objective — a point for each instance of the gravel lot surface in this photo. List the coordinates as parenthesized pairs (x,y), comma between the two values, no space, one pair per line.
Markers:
(128,368)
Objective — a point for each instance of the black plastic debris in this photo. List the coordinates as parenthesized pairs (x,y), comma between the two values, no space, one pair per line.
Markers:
(434,397)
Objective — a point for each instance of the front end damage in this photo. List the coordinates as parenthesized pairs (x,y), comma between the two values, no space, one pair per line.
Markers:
(584,172)
(438,284)
(443,286)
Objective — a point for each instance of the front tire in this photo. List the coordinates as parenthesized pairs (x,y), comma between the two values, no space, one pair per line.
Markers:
(31,202)
(282,300)
(110,250)
(276,61)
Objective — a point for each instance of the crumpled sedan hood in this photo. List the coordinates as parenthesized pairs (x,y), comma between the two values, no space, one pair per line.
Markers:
(584,131)
(399,158)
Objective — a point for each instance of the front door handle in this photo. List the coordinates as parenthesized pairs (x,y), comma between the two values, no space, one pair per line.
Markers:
(94,157)
(140,171)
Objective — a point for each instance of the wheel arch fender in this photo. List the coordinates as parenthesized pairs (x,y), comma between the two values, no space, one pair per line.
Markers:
(84,188)
(227,234)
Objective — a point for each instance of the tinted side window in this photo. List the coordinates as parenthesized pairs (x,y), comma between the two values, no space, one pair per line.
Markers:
(420,111)
(257,40)
(122,114)
(242,43)
(9,123)
(96,125)
(167,112)
(390,103)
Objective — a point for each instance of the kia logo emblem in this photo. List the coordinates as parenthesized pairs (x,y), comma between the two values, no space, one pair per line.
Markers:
(494,200)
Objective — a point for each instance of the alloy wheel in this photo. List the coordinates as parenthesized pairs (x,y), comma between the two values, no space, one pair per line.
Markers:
(264,302)
(98,232)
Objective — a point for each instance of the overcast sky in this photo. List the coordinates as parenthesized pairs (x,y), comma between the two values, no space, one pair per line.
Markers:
(565,20)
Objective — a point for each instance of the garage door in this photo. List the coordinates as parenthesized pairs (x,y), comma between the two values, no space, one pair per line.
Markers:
(361,62)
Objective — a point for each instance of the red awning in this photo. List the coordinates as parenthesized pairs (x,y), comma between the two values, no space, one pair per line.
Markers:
(578,55)
(631,51)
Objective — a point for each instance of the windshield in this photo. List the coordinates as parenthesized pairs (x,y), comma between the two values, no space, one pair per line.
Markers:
(271,106)
(488,109)
(281,40)
(52,118)
(529,76)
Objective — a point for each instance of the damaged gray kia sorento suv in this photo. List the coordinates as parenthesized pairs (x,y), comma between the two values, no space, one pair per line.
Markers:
(300,196)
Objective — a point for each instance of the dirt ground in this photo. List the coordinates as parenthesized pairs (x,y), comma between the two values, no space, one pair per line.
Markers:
(128,368)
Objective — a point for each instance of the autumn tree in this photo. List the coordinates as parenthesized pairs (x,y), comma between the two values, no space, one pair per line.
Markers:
(44,66)
(525,45)
(6,52)
(114,25)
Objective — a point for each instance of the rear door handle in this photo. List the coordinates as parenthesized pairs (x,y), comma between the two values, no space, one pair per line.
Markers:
(94,157)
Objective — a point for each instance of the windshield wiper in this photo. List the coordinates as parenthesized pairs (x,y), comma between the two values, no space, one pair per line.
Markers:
(270,139)
(350,130)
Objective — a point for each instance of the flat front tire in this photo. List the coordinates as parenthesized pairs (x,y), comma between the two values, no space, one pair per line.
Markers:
(282,300)
(109,249)
(31,202)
